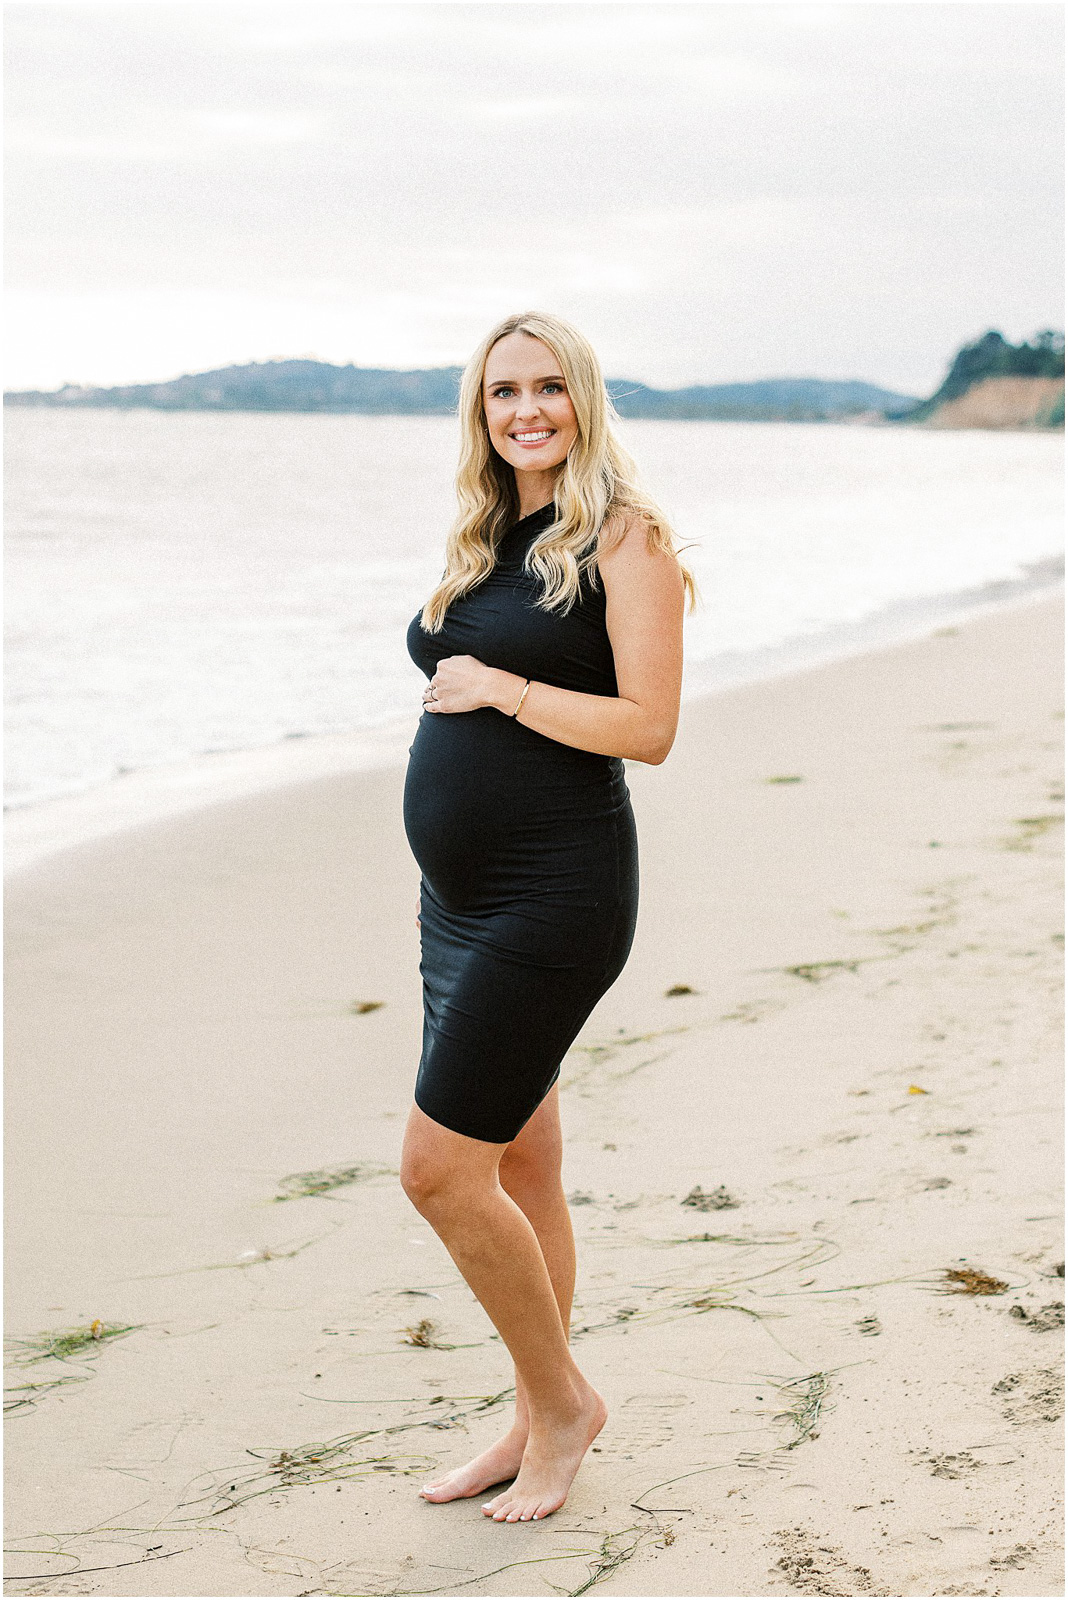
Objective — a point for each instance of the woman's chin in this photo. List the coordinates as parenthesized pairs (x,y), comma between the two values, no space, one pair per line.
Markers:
(536,461)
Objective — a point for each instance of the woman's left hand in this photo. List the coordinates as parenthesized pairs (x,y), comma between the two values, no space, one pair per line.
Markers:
(463,683)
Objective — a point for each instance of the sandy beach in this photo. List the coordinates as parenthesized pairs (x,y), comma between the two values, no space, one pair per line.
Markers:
(817,1112)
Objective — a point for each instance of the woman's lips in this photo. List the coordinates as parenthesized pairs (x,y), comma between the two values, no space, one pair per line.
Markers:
(533,438)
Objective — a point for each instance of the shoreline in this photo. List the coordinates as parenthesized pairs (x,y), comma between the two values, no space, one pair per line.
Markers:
(826,1081)
(35,832)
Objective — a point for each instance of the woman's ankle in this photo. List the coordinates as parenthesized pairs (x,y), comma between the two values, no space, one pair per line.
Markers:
(564,1406)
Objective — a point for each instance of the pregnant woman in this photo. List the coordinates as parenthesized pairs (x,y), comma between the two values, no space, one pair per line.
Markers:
(553,650)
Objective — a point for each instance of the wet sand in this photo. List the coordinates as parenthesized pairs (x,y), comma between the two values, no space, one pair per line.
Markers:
(854,874)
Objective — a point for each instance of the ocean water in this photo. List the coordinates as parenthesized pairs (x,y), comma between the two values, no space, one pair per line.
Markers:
(179,586)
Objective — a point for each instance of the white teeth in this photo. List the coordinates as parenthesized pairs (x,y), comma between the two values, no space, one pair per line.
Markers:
(528,438)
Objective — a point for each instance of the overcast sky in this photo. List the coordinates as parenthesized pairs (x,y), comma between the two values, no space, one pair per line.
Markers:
(712,192)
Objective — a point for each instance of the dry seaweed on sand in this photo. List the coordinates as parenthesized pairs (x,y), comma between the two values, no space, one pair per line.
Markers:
(64,1344)
(606,1050)
(301,1185)
(345,1456)
(752,1010)
(330,1461)
(667,1303)
(718,1199)
(687,1302)
(942,913)
(807,1399)
(725,1238)
(819,971)
(22,1397)
(247,1258)
(56,1344)
(79,1572)
(1032,828)
(616,1548)
(470,1405)
(603,1562)
(718,1300)
(424,1336)
(360,1008)
(970,1280)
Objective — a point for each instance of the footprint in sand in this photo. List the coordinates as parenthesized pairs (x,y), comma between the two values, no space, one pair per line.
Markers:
(815,1566)
(950,1466)
(1018,1556)
(644,1422)
(1036,1395)
(1044,1320)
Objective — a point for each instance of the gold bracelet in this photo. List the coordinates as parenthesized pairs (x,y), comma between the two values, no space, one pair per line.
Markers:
(522,697)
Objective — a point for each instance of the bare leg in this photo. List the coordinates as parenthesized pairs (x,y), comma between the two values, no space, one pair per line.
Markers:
(529,1171)
(453,1181)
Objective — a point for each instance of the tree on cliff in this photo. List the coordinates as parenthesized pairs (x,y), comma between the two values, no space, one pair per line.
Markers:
(993,357)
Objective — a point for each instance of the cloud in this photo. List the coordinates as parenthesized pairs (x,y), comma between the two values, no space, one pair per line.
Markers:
(715,191)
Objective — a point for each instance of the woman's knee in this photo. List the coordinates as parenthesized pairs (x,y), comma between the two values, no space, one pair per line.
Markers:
(435,1174)
(531,1173)
(424,1176)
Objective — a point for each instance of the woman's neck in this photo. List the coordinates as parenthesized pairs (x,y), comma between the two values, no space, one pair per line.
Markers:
(534,490)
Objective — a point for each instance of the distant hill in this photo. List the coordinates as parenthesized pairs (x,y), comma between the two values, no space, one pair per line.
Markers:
(273,386)
(994,384)
(319,386)
(770,400)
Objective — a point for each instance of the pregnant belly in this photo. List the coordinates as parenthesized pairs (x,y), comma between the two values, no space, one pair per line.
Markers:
(496,813)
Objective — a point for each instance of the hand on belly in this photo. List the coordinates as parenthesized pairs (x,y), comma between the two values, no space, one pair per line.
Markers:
(463,683)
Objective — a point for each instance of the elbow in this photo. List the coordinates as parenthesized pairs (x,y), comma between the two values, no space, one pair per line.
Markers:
(655,747)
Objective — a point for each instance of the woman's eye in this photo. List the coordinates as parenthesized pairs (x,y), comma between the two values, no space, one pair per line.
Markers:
(506,390)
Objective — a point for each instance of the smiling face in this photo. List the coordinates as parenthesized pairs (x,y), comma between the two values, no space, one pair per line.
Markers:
(531,419)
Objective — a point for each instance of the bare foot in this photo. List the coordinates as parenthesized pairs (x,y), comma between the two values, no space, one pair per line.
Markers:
(495,1465)
(550,1461)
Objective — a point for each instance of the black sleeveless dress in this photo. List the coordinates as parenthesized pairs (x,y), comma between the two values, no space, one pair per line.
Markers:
(528,855)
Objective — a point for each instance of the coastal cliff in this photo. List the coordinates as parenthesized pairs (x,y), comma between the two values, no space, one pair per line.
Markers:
(1004,403)
(994,384)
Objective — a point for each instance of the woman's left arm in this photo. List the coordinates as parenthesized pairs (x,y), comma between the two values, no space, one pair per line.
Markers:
(644,598)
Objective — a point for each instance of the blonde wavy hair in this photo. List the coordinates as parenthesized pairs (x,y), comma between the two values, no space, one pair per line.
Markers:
(598,481)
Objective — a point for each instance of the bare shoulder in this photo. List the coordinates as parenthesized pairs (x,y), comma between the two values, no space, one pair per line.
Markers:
(625,529)
(630,550)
